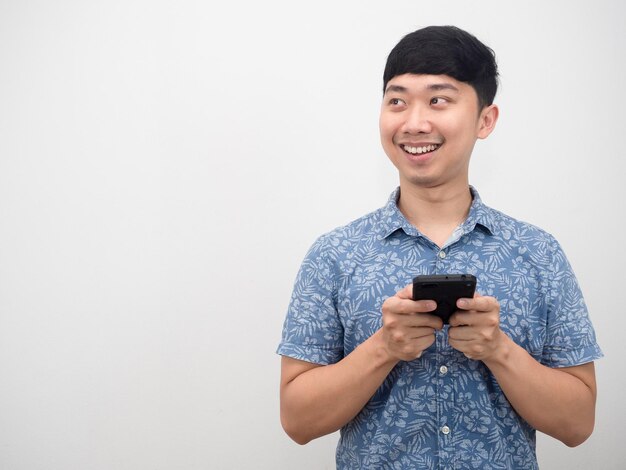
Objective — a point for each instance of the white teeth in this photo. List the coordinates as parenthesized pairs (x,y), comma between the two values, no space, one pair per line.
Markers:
(419,150)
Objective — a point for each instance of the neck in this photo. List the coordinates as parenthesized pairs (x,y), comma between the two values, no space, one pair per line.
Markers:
(435,211)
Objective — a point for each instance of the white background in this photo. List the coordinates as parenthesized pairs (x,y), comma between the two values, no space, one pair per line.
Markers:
(165,165)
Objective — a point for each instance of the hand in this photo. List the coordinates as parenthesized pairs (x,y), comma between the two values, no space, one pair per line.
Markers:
(475,329)
(407,327)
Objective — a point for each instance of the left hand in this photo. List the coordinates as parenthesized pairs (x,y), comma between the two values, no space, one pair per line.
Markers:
(475,328)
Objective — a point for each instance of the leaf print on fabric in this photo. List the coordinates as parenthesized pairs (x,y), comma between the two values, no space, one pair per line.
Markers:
(495,252)
(468,263)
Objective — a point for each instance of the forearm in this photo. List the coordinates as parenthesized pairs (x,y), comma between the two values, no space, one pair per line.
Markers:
(551,400)
(323,399)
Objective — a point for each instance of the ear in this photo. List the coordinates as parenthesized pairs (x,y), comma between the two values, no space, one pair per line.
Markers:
(487,121)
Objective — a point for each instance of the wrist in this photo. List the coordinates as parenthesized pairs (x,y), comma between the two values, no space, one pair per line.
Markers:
(502,351)
(378,352)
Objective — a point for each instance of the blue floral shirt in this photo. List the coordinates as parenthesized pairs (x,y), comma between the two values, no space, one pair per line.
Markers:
(443,410)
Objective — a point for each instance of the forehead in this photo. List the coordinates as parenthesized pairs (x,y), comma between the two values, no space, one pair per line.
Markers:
(419,83)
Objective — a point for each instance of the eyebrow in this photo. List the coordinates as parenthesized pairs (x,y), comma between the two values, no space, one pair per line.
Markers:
(442,86)
(433,87)
(396,88)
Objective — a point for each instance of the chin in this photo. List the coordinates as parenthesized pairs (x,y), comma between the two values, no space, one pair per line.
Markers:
(423,181)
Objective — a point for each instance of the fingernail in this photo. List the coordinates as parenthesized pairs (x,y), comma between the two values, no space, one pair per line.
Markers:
(462,303)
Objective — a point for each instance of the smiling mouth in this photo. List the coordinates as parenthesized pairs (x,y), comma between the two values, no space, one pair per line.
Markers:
(420,150)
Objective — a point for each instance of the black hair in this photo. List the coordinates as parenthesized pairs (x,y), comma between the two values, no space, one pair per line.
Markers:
(446,50)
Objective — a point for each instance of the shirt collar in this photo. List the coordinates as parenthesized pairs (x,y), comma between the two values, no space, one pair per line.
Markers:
(392,219)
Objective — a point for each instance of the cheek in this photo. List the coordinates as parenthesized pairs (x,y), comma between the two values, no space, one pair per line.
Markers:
(387,129)
(461,135)
(385,134)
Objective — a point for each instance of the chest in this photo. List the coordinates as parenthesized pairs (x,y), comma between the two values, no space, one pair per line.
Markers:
(371,274)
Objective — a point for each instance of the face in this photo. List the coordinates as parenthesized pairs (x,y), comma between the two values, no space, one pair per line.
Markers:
(428,127)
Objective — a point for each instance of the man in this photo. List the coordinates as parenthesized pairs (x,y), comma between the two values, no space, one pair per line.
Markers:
(361,356)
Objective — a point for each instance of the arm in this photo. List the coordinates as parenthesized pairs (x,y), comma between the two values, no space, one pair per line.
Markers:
(558,402)
(316,400)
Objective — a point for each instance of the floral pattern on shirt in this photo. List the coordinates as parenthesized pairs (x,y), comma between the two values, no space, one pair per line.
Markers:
(442,410)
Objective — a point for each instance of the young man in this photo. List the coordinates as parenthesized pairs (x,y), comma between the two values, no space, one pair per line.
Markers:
(361,356)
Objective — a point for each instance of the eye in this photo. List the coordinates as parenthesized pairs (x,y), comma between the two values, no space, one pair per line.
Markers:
(396,102)
(438,100)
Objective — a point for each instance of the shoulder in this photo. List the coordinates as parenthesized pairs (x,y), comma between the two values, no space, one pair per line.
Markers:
(333,254)
(346,238)
(528,240)
(505,229)
(510,228)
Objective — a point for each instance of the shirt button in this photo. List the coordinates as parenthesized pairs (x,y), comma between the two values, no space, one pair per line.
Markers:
(445,430)
(442,254)
(443,370)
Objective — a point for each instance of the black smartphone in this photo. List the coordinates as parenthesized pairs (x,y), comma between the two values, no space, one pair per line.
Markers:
(445,289)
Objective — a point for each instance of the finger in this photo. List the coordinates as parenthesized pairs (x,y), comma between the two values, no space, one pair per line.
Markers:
(475,318)
(407,348)
(462,318)
(468,348)
(424,306)
(461,333)
(397,305)
(431,321)
(426,320)
(461,345)
(422,320)
(411,321)
(421,332)
(479,304)
(406,293)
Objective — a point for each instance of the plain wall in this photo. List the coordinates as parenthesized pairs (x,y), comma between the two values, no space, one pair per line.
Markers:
(165,165)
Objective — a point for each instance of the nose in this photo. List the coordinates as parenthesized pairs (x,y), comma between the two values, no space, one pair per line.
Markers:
(417,121)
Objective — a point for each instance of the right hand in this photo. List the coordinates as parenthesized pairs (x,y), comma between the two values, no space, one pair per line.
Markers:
(408,329)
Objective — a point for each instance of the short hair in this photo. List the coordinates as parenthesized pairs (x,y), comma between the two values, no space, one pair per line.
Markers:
(446,50)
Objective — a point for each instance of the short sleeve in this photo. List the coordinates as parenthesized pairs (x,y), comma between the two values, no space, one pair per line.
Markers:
(570,338)
(312,330)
